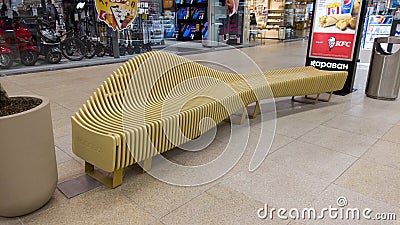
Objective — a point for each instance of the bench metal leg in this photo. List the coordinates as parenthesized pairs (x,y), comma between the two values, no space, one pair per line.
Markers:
(110,181)
(147,164)
(315,100)
(243,117)
(321,99)
(255,112)
(145,167)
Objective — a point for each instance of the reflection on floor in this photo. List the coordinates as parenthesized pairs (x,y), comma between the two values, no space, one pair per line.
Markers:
(348,147)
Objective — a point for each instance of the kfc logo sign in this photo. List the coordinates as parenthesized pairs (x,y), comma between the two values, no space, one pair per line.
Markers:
(328,45)
(332,43)
(343,43)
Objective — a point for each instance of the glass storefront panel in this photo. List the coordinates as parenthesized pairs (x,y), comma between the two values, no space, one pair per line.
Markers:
(156,23)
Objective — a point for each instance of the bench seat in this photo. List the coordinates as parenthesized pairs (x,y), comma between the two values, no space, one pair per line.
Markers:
(133,114)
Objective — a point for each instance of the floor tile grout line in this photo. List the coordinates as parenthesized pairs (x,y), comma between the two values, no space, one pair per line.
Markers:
(72,158)
(67,201)
(345,153)
(320,193)
(162,222)
(128,196)
(350,132)
(348,168)
(276,150)
(333,181)
(307,132)
(62,106)
(163,216)
(201,193)
(368,197)
(257,200)
(388,132)
(346,132)
(357,158)
(361,157)
(351,190)
(366,118)
(330,150)
(358,133)
(20,220)
(291,141)
(360,117)
(393,142)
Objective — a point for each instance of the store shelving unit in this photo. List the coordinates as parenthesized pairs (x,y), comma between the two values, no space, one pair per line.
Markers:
(300,21)
(60,26)
(168,18)
(191,18)
(275,17)
(296,19)
(376,26)
(169,28)
(290,11)
(272,14)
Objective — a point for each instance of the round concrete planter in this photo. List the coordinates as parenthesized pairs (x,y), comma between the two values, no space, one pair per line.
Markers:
(28,168)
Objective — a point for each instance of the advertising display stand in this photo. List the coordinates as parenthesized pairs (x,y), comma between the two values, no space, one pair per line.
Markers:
(335,37)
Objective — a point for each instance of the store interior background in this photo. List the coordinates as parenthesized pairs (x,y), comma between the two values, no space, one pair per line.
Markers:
(211,22)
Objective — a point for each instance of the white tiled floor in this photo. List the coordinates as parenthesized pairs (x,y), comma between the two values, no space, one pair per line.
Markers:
(349,147)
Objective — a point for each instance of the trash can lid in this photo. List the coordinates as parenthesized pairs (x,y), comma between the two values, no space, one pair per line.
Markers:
(391,40)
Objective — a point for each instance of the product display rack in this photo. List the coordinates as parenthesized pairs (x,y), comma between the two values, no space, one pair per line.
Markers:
(300,18)
(191,18)
(376,26)
(275,18)
(260,11)
(296,20)
(168,18)
(60,26)
(169,28)
(290,12)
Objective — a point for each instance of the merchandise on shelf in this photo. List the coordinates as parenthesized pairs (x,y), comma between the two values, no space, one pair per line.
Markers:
(292,14)
(191,19)
(376,26)
(168,19)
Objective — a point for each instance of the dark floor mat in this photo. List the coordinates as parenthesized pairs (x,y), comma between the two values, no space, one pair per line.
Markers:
(77,186)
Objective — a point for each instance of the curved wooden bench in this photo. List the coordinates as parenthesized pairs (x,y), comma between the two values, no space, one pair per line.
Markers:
(128,118)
